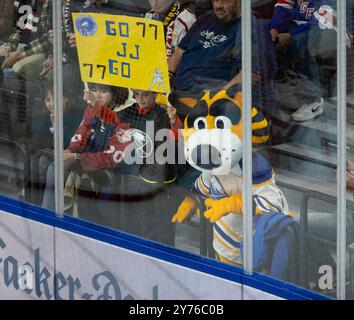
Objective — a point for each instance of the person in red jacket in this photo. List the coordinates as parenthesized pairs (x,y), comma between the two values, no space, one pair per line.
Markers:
(99,141)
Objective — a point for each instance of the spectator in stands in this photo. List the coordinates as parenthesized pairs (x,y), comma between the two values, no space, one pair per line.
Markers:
(42,126)
(97,128)
(177,20)
(146,112)
(304,32)
(209,56)
(97,133)
(147,178)
(29,44)
(43,123)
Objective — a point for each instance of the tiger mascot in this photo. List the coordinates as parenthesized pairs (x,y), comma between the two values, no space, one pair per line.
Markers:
(213,145)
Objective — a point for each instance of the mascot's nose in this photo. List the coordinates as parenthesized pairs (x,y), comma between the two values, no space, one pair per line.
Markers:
(206,157)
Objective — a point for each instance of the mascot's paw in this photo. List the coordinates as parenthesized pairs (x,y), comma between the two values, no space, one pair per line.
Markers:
(219,208)
(186,208)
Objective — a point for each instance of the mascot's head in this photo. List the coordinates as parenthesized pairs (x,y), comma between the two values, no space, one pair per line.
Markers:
(213,130)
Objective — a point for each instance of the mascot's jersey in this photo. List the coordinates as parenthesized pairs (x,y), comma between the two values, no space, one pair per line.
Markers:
(228,231)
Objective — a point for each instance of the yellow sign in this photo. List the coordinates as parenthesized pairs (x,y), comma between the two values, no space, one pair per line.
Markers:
(122,51)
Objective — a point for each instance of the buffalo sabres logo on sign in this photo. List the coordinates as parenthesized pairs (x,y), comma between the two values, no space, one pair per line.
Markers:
(86,25)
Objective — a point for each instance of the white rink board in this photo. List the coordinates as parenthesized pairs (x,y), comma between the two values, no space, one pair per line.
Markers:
(250,293)
(130,274)
(29,244)
(90,269)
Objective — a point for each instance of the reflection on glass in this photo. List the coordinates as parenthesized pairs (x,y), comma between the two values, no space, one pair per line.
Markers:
(350,162)
(303,140)
(25,120)
(169,169)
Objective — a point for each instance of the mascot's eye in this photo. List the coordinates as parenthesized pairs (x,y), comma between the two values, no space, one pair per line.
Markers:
(223,123)
(200,124)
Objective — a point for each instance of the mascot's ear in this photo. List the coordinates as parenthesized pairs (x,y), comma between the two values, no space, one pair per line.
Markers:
(184,102)
(234,90)
(260,128)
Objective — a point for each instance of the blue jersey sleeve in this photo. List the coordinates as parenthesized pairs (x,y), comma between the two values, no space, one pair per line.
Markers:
(281,19)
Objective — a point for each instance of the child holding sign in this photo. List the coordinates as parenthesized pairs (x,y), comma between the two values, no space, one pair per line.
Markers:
(97,134)
(141,197)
